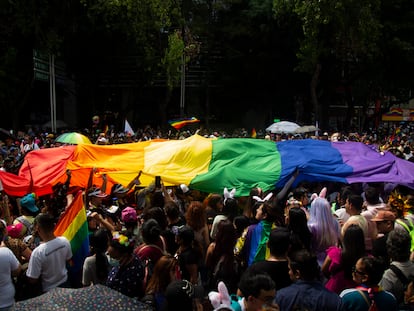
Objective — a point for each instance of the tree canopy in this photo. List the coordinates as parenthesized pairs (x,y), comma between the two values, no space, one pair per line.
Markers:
(246,61)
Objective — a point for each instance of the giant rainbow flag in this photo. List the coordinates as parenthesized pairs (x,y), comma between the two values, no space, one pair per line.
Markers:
(209,165)
(73,226)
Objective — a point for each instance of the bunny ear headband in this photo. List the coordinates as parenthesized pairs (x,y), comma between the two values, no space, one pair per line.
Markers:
(265,199)
(220,299)
(322,194)
(228,195)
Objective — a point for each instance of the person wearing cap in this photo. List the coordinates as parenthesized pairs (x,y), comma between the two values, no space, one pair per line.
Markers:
(95,196)
(130,220)
(118,195)
(28,210)
(12,239)
(373,204)
(384,220)
(48,261)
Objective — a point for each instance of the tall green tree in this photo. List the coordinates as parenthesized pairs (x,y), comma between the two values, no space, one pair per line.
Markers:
(337,35)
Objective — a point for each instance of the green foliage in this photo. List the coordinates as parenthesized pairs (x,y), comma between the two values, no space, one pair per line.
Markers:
(343,29)
(172,59)
(141,22)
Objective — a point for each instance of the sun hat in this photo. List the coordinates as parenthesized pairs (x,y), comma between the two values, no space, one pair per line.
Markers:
(28,202)
(119,189)
(383,216)
(97,192)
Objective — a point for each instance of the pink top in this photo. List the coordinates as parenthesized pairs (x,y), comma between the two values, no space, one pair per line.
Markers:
(337,282)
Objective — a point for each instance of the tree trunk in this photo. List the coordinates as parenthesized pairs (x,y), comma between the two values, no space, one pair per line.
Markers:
(314,97)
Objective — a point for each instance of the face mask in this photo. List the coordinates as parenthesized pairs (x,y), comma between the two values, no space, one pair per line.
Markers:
(112,262)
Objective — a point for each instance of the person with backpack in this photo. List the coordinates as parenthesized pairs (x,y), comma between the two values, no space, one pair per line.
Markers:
(401,270)
(29,211)
(368,296)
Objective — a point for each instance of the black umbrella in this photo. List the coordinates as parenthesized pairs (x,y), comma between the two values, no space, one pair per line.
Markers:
(97,297)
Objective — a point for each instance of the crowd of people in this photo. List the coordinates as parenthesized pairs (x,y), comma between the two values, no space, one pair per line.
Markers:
(314,246)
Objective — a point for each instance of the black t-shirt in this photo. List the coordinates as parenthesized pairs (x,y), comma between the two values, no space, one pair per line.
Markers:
(187,257)
(277,270)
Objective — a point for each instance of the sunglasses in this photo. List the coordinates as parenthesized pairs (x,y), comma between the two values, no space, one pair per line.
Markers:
(354,270)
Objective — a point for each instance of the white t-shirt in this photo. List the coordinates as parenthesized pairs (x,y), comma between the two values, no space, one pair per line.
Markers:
(89,271)
(89,275)
(8,263)
(48,261)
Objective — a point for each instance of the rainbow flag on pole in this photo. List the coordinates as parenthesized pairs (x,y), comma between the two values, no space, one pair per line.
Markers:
(179,123)
(74,226)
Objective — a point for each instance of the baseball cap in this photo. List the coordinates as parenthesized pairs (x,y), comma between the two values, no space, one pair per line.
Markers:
(15,231)
(129,215)
(383,216)
(28,202)
(184,188)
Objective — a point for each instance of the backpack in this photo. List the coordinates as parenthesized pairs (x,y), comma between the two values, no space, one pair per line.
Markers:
(27,224)
(410,229)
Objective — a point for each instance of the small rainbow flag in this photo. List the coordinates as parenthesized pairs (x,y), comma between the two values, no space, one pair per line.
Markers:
(74,226)
(179,123)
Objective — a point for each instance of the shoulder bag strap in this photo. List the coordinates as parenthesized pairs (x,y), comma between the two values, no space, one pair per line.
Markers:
(403,279)
(150,245)
(365,297)
(26,223)
(402,223)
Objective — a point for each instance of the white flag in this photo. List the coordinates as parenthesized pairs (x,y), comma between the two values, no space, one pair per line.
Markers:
(128,129)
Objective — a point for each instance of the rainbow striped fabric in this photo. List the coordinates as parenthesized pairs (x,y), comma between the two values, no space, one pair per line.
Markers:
(210,165)
(74,226)
(179,123)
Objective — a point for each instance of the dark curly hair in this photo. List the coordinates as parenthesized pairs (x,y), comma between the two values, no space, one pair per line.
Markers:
(398,245)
